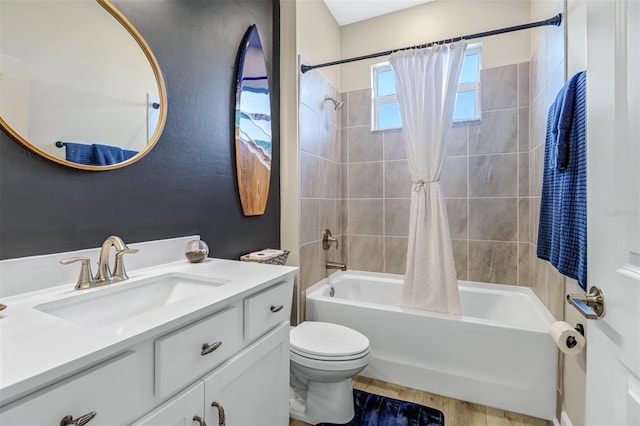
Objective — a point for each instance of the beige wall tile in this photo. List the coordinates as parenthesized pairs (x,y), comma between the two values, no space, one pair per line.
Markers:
(396,217)
(534,219)
(454,177)
(523,264)
(365,180)
(457,214)
(523,220)
(364,145)
(366,253)
(493,262)
(555,292)
(499,87)
(395,255)
(458,140)
(397,179)
(523,129)
(523,174)
(493,219)
(310,264)
(310,88)
(359,113)
(394,145)
(496,133)
(344,145)
(309,130)
(366,217)
(328,139)
(328,217)
(523,84)
(309,175)
(461,257)
(309,220)
(328,183)
(538,121)
(493,175)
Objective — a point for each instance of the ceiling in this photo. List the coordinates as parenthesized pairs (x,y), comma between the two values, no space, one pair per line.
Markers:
(350,11)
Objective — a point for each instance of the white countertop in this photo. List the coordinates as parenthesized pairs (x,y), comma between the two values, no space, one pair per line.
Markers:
(37,347)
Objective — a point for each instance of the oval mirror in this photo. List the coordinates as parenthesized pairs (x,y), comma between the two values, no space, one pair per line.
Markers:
(78,83)
(253,125)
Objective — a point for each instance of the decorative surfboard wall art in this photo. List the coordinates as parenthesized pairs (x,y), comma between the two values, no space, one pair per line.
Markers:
(253,125)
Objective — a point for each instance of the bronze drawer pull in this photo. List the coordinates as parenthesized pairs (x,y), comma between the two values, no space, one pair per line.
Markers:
(208,348)
(80,421)
(199,420)
(276,308)
(221,419)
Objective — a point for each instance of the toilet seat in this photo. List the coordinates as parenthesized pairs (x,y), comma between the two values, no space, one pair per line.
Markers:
(328,342)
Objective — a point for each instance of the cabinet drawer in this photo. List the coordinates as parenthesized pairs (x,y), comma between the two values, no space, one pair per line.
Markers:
(188,353)
(266,309)
(111,390)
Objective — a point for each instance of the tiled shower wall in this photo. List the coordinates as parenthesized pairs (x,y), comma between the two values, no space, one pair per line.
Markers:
(320,177)
(485,179)
(356,182)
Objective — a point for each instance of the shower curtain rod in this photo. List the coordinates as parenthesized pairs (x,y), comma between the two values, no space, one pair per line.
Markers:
(556,20)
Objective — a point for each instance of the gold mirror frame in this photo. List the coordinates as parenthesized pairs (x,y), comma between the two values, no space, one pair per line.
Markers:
(162,92)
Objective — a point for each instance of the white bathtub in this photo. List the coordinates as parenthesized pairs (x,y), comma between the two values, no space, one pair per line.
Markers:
(497,353)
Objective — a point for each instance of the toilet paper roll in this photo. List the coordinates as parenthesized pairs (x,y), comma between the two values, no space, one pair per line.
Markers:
(567,338)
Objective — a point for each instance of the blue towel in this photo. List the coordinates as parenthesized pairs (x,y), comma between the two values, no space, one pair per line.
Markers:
(562,235)
(106,155)
(95,154)
(78,153)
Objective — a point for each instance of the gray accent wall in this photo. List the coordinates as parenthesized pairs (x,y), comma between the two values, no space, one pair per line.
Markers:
(186,185)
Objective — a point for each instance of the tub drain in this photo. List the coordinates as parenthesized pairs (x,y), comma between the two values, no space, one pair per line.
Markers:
(332,291)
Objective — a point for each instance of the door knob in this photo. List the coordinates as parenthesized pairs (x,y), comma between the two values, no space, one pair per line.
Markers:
(591,305)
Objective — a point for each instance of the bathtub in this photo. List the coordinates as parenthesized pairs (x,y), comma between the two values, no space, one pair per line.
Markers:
(497,353)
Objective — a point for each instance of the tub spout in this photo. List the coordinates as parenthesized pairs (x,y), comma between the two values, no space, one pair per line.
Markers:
(335,265)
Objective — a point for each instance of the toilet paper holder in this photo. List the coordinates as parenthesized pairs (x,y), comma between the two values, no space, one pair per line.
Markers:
(591,305)
(571,341)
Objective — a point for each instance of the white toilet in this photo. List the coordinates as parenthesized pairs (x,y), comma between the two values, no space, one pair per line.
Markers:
(324,358)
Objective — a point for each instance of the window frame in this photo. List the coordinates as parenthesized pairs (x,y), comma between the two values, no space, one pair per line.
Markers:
(380,100)
(462,87)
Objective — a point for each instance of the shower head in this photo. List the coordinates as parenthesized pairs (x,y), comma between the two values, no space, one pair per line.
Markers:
(336,104)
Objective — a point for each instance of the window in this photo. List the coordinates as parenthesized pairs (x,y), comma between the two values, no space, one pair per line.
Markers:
(385,111)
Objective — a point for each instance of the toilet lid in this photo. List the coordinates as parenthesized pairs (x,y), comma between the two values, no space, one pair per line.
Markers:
(325,339)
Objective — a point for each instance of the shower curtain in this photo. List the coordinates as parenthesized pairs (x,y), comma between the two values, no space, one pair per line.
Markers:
(426,83)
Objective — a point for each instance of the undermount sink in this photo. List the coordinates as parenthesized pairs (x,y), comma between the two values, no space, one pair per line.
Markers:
(128,299)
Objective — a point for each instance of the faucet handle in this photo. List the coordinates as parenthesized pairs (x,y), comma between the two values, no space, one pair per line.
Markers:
(119,271)
(327,239)
(86,277)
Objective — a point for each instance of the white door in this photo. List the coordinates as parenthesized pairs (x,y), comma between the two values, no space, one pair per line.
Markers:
(613,156)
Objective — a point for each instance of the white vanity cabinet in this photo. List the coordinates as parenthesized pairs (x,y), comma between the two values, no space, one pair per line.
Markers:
(109,389)
(185,408)
(236,358)
(252,388)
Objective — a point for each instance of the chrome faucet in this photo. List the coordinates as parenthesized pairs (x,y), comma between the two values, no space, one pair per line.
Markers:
(104,275)
(335,265)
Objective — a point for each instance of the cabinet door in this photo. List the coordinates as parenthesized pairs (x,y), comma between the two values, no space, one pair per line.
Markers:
(184,409)
(253,387)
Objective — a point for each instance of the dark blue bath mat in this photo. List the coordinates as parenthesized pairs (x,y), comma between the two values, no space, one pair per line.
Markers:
(376,410)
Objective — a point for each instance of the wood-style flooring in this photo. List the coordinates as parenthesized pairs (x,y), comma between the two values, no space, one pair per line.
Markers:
(456,412)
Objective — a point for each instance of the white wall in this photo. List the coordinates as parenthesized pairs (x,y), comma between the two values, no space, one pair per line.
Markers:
(431,22)
(83,64)
(318,37)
